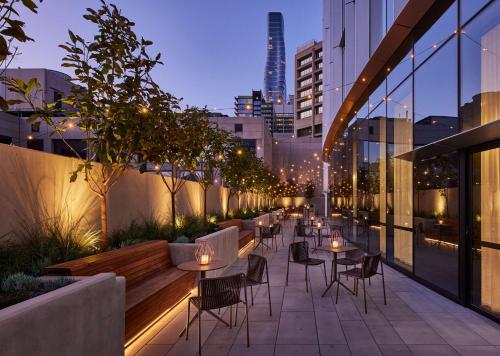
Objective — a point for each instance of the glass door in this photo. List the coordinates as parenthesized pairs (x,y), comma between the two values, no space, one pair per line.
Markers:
(484,230)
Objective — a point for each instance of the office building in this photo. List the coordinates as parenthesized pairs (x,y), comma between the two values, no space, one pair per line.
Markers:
(16,130)
(309,90)
(248,105)
(411,130)
(274,75)
(252,132)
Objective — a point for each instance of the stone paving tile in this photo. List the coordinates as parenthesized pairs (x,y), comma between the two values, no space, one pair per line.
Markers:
(334,350)
(434,350)
(477,350)
(415,321)
(359,338)
(417,332)
(297,328)
(297,350)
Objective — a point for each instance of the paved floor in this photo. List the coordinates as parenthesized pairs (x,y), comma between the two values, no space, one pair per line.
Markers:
(415,321)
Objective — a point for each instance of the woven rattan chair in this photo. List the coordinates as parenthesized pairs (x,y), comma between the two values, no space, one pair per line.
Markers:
(216,293)
(300,231)
(257,265)
(369,268)
(299,251)
(268,233)
(277,230)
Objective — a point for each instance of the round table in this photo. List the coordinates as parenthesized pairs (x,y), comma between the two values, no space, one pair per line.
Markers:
(194,266)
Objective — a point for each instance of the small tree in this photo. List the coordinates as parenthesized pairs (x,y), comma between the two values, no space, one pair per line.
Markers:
(215,144)
(235,172)
(174,142)
(310,189)
(108,102)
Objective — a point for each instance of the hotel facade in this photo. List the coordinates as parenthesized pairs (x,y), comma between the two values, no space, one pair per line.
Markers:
(411,138)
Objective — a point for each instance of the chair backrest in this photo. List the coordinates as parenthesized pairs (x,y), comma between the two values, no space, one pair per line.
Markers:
(220,292)
(370,264)
(276,229)
(300,230)
(256,267)
(300,221)
(299,251)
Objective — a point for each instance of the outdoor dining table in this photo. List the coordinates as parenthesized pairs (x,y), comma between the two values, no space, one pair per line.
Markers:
(194,266)
(336,250)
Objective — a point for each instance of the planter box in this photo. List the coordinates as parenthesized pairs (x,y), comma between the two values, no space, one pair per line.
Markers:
(84,318)
(224,243)
(252,224)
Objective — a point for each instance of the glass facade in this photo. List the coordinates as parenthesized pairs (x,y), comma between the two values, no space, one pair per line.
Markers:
(398,171)
(274,76)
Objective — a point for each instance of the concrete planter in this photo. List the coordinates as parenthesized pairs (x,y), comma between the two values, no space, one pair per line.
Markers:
(224,243)
(84,318)
(252,224)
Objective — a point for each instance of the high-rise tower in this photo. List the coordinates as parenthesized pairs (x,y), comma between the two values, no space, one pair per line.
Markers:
(274,76)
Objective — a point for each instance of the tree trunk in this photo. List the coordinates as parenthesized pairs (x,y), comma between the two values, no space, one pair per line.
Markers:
(172,204)
(205,190)
(238,196)
(104,222)
(227,207)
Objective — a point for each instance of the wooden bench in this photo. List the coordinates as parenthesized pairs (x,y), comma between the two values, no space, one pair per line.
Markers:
(153,285)
(245,236)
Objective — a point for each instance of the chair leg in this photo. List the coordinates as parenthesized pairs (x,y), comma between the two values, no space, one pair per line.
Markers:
(331,271)
(324,270)
(199,333)
(246,315)
(269,295)
(346,276)
(287,269)
(364,295)
(251,293)
(383,282)
(236,317)
(187,321)
(282,239)
(307,284)
(230,316)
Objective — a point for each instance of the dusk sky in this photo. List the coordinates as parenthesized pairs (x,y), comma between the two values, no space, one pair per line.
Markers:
(212,49)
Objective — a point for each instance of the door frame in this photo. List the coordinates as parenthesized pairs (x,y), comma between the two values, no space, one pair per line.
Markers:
(465,255)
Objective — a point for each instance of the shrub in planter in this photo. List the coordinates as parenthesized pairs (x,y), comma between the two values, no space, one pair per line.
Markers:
(19,287)
(52,241)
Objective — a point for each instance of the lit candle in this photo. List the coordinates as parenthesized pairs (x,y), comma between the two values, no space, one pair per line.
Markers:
(335,244)
(440,221)
(260,223)
(204,260)
(319,224)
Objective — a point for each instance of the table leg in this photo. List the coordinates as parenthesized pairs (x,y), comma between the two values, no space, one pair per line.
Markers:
(335,278)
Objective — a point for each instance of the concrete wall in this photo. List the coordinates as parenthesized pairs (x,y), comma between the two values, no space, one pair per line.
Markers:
(84,318)
(224,243)
(35,186)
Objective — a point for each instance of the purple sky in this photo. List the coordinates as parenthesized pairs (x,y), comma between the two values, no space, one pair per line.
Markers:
(212,49)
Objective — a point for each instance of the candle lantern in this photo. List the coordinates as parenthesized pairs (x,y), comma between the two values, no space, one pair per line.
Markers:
(204,253)
(335,243)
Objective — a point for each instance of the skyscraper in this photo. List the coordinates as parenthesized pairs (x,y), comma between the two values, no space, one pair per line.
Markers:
(274,76)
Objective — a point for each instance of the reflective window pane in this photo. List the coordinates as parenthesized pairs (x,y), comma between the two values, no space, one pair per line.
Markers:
(436,105)
(469,8)
(436,35)
(480,63)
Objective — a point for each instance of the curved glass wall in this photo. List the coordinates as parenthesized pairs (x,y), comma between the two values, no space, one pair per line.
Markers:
(393,191)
